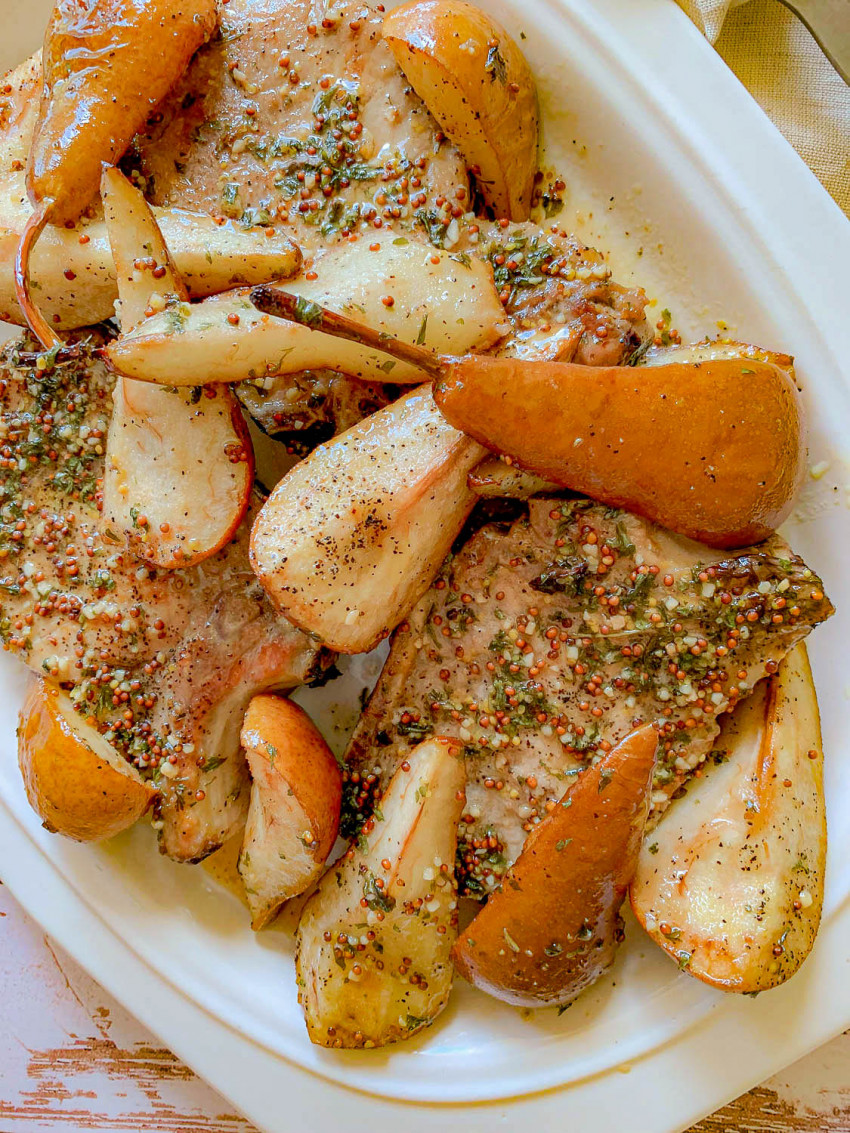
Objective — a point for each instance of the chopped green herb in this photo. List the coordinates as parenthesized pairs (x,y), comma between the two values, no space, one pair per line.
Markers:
(308,313)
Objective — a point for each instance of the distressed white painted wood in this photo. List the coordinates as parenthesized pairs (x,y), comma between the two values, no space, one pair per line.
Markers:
(72,1059)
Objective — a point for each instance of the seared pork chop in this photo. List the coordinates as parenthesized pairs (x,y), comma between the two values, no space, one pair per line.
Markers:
(546,640)
(559,296)
(312,406)
(297,116)
(164,662)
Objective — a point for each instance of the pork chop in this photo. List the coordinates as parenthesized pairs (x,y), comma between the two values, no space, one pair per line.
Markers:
(561,301)
(311,407)
(297,115)
(164,662)
(547,639)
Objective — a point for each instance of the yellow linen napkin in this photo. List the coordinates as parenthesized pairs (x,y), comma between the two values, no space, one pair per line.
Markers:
(776,58)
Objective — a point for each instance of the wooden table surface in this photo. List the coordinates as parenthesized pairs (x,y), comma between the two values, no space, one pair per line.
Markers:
(72,1059)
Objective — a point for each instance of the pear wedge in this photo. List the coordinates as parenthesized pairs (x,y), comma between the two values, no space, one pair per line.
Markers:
(353,534)
(401,288)
(553,926)
(293,816)
(374,942)
(179,465)
(147,279)
(475,80)
(76,782)
(730,882)
(495,479)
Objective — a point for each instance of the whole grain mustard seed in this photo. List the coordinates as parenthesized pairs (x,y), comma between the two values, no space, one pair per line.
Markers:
(486,678)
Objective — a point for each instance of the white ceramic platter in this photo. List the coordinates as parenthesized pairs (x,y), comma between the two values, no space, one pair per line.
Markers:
(675,170)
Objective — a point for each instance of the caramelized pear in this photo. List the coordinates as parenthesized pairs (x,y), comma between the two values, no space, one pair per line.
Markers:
(553,927)
(713,449)
(435,300)
(474,79)
(76,782)
(106,65)
(293,817)
(730,882)
(393,896)
(354,533)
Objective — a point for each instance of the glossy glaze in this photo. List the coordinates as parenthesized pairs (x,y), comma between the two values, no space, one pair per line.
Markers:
(106,66)
(712,450)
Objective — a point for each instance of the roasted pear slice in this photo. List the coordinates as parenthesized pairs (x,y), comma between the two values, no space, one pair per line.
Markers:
(76,782)
(72,269)
(148,281)
(179,466)
(553,926)
(179,471)
(476,82)
(373,960)
(353,534)
(293,816)
(106,64)
(147,278)
(76,281)
(714,449)
(730,882)
(399,286)
(712,350)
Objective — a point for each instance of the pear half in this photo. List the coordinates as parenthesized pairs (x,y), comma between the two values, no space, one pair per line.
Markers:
(730,882)
(76,781)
